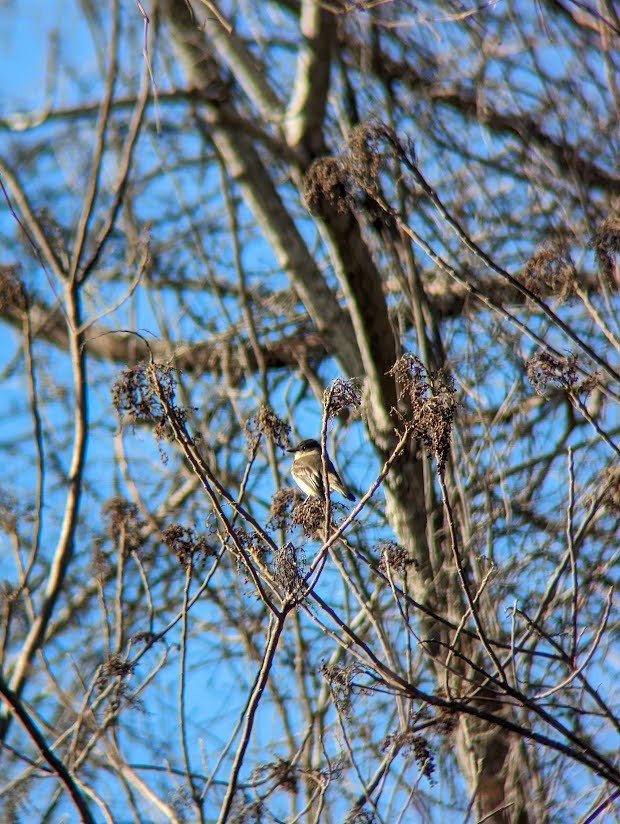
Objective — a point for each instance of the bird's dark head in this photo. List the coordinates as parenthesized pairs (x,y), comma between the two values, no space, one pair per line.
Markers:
(309,445)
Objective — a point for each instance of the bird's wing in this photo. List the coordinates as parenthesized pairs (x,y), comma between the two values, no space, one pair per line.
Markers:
(334,477)
(336,482)
(308,480)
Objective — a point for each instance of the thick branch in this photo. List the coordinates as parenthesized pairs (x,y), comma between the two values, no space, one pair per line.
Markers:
(246,167)
(248,71)
(217,354)
(306,111)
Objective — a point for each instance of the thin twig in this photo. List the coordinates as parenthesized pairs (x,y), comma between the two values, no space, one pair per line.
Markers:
(275,631)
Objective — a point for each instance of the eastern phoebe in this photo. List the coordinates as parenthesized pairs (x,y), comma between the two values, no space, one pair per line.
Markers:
(307,471)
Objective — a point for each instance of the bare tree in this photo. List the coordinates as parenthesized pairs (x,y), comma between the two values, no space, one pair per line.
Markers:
(388,226)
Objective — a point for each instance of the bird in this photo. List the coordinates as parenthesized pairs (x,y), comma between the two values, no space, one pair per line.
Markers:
(307,471)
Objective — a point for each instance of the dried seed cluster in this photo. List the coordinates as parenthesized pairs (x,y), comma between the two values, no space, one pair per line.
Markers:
(123,522)
(289,564)
(395,557)
(342,395)
(550,271)
(544,368)
(140,393)
(408,743)
(12,292)
(185,544)
(431,404)
(606,243)
(267,423)
(340,681)
(350,181)
(310,516)
(282,506)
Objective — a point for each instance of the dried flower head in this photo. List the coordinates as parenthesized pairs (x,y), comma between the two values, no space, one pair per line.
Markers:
(12,290)
(447,720)
(9,512)
(432,404)
(340,680)
(281,773)
(267,423)
(282,506)
(186,545)
(612,495)
(410,742)
(350,180)
(544,368)
(254,544)
(142,394)
(115,668)
(310,516)
(289,565)
(135,396)
(366,153)
(341,395)
(325,185)
(606,243)
(395,557)
(123,523)
(550,271)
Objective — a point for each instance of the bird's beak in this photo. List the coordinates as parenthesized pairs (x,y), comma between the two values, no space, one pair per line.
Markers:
(292,449)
